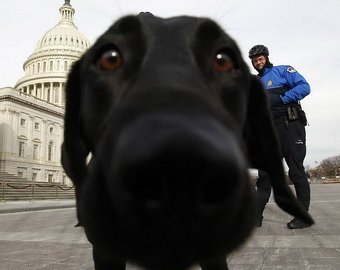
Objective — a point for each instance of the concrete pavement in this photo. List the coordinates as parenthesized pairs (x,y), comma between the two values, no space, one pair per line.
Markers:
(23,206)
(272,246)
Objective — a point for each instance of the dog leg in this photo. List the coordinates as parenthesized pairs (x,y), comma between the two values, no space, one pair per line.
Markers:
(219,264)
(100,265)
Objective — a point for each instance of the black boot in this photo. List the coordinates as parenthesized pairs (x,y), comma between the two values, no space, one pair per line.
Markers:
(297,223)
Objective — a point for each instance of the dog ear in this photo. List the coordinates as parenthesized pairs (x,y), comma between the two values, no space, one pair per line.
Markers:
(264,150)
(74,150)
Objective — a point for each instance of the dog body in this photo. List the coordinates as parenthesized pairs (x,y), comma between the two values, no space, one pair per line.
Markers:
(172,119)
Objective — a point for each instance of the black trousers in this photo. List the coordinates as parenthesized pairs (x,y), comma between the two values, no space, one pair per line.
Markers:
(293,145)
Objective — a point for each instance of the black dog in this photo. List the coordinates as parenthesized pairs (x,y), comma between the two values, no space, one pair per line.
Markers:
(172,119)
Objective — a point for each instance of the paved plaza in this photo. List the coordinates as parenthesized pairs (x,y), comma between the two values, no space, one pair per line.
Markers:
(34,238)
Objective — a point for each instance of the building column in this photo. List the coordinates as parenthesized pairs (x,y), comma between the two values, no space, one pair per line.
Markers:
(43,140)
(63,94)
(48,98)
(52,94)
(60,93)
(42,89)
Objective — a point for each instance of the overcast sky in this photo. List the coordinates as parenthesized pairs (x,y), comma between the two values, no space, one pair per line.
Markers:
(301,33)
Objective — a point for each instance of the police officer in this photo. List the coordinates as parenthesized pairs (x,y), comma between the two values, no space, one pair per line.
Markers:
(285,88)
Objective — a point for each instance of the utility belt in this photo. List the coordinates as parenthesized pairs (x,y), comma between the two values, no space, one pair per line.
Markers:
(289,112)
(292,114)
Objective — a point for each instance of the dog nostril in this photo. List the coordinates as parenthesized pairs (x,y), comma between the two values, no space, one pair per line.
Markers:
(216,187)
(145,189)
(152,205)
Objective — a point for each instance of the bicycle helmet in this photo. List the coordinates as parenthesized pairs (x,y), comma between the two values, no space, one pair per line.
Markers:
(258,50)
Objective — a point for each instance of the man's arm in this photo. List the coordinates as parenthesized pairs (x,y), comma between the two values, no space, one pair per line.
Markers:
(299,86)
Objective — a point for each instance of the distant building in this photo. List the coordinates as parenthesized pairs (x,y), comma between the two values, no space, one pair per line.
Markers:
(31,113)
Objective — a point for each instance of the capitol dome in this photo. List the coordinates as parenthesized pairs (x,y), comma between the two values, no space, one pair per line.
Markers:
(47,67)
(65,33)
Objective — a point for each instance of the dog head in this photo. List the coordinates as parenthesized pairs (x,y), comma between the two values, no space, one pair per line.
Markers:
(173,119)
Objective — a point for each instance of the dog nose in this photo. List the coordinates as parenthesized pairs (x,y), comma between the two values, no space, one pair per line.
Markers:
(170,179)
(173,164)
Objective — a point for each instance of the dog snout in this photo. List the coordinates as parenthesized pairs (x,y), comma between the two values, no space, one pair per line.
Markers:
(173,164)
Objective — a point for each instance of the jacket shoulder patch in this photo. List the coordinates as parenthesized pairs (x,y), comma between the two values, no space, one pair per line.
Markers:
(269,83)
(291,70)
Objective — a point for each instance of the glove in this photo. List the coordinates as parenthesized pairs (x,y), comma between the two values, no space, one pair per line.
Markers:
(274,99)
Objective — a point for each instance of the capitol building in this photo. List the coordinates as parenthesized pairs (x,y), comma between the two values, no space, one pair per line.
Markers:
(32,112)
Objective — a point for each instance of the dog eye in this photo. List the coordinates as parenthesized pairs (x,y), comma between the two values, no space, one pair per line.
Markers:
(223,63)
(109,60)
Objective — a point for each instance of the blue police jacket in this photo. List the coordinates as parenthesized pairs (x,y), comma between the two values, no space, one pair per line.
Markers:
(285,87)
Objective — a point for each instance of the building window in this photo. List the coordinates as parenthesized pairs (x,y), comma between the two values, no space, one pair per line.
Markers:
(50,151)
(50,178)
(51,65)
(35,151)
(22,122)
(21,149)
(34,176)
(36,126)
(22,172)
